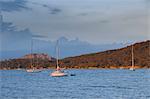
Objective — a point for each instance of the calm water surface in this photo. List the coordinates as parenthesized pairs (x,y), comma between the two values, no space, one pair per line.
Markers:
(87,84)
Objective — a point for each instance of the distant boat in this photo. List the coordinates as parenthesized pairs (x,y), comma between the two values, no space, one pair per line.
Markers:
(32,68)
(132,53)
(19,68)
(29,70)
(58,72)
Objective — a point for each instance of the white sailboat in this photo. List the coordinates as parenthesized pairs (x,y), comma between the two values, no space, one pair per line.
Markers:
(132,53)
(32,68)
(58,72)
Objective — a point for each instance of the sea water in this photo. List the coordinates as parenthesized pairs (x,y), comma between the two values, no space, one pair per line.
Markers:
(87,84)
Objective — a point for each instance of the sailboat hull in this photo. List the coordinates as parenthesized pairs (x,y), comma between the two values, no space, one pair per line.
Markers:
(58,74)
(32,71)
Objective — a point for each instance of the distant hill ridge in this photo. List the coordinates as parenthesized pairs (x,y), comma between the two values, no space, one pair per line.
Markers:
(117,58)
(40,56)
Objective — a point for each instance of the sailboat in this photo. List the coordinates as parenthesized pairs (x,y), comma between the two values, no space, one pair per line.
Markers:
(32,68)
(58,72)
(132,53)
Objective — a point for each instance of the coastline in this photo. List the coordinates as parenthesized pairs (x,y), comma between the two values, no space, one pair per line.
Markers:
(79,68)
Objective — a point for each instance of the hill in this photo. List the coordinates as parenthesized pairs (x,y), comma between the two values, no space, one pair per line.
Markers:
(117,58)
(38,56)
(37,60)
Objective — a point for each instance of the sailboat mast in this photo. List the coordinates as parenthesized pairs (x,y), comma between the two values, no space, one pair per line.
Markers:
(1,20)
(31,51)
(132,57)
(38,55)
(57,53)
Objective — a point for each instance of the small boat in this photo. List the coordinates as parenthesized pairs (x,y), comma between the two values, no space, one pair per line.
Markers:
(33,70)
(29,70)
(18,69)
(58,72)
(72,74)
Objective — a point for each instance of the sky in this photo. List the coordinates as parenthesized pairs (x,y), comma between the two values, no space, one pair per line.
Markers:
(94,21)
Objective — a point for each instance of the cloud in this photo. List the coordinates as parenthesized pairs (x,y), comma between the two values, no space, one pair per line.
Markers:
(53,10)
(104,21)
(90,20)
(8,26)
(13,39)
(38,36)
(7,0)
(83,14)
(12,5)
(148,1)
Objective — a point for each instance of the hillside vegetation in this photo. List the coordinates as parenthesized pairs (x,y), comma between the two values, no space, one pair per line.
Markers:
(118,58)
